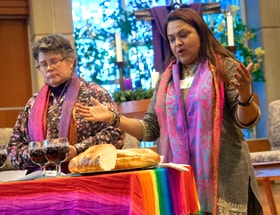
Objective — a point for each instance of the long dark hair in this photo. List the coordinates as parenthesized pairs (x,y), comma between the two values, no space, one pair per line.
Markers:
(210,47)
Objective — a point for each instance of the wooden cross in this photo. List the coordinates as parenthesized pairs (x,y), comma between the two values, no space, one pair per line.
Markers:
(207,8)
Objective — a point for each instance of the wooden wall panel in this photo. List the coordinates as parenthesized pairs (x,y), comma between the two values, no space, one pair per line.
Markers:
(15,82)
(14,8)
(8,118)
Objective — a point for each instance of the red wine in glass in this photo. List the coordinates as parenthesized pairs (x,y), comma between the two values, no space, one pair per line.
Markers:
(56,151)
(56,154)
(37,155)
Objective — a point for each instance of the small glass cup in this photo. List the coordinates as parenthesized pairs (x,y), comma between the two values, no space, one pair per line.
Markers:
(3,155)
(56,151)
(37,155)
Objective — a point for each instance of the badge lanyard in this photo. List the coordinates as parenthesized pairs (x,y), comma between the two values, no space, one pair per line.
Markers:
(186,83)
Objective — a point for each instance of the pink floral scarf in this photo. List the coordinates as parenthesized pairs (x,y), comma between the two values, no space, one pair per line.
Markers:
(192,135)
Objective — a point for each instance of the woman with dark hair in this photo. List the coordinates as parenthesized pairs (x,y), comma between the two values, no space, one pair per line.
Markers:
(201,102)
(50,113)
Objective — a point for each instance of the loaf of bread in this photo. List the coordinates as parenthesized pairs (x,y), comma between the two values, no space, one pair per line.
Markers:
(106,157)
(136,158)
(96,158)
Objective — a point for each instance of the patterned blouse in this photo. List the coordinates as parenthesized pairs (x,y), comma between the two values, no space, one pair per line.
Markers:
(88,133)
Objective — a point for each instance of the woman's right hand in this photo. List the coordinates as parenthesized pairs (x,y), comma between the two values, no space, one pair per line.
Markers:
(95,113)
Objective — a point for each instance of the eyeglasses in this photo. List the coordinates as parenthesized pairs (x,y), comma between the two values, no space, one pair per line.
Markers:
(54,63)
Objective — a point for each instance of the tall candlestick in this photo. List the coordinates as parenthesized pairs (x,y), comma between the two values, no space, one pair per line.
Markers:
(230,31)
(120,65)
(118,47)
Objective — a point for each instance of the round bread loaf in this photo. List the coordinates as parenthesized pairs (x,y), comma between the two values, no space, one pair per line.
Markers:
(96,158)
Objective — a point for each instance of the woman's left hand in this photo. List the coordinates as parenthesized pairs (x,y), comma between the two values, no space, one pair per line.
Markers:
(242,82)
(248,111)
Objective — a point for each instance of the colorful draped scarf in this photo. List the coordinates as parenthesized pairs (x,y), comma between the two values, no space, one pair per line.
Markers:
(38,114)
(192,135)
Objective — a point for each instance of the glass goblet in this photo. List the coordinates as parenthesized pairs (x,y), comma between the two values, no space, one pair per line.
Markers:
(56,151)
(3,155)
(37,155)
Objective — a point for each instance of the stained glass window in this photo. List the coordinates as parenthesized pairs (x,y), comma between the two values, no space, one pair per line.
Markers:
(95,24)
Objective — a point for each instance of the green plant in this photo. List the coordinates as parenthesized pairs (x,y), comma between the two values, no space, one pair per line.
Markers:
(129,95)
(242,36)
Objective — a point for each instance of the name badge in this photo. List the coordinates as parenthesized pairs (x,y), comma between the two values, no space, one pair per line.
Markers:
(186,83)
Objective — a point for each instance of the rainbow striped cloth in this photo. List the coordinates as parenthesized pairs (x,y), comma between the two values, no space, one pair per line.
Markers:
(170,191)
(156,191)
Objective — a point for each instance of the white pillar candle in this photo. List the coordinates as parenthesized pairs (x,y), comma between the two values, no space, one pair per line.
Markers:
(154,76)
(118,47)
(230,31)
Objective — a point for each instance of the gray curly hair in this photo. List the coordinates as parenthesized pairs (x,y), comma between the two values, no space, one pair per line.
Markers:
(56,43)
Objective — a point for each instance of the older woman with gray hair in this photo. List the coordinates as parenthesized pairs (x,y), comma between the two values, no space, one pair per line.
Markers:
(50,113)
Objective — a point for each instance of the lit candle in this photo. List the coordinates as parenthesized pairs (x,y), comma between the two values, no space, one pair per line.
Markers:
(230,30)
(118,47)
(154,76)
(127,84)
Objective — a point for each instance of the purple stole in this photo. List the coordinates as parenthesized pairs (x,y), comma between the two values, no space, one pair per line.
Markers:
(37,118)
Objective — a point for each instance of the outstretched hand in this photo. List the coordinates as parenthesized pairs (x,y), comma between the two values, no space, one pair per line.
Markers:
(97,112)
(243,79)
